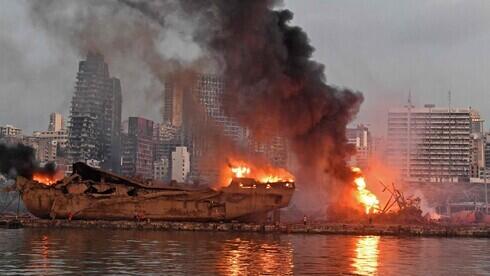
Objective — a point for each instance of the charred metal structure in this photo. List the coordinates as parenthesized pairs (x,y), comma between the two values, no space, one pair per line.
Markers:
(95,194)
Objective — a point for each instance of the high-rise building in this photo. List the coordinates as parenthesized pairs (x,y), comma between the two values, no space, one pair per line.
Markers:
(137,156)
(166,137)
(210,89)
(360,137)
(173,103)
(56,122)
(433,144)
(487,150)
(199,104)
(378,147)
(274,150)
(95,118)
(180,164)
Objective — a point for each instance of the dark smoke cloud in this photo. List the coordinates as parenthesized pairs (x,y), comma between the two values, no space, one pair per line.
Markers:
(20,160)
(274,87)
(272,84)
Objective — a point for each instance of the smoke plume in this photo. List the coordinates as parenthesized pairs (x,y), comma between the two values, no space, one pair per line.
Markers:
(274,87)
(272,84)
(20,160)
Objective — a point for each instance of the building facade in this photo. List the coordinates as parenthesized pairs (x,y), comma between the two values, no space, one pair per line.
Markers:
(137,156)
(60,136)
(360,138)
(181,165)
(10,131)
(161,169)
(56,122)
(432,144)
(95,117)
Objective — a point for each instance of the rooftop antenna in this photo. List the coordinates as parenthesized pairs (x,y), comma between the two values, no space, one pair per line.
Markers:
(450,175)
(409,98)
(449,99)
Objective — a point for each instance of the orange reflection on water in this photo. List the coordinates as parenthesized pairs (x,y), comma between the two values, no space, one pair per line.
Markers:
(245,257)
(367,252)
(45,247)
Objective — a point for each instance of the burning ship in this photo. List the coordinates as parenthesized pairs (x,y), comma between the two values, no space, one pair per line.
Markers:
(94,194)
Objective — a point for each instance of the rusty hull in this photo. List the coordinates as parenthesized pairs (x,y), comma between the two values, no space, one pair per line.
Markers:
(93,194)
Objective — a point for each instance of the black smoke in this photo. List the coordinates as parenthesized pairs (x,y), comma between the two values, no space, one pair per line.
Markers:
(19,160)
(273,86)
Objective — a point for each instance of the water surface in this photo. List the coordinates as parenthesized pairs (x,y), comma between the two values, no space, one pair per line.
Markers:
(131,252)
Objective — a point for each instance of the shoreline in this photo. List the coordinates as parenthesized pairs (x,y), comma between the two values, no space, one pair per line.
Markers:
(326,228)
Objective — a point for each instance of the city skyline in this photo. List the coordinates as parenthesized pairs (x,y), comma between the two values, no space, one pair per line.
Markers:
(244,137)
(421,68)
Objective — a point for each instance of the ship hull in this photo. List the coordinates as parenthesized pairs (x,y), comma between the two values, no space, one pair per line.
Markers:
(78,199)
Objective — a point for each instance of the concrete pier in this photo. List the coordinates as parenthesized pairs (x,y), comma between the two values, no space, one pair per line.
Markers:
(436,230)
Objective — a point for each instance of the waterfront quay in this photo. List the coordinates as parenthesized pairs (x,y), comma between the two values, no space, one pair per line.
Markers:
(437,230)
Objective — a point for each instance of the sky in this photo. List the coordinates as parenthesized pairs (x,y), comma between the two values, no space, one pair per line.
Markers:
(383,48)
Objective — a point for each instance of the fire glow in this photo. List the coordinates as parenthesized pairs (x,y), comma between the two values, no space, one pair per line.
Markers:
(264,174)
(240,171)
(47,179)
(364,196)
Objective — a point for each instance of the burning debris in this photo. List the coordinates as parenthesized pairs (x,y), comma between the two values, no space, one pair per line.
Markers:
(263,174)
(363,205)
(19,160)
(48,178)
(365,197)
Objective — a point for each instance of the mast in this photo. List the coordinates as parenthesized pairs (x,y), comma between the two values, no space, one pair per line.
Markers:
(450,136)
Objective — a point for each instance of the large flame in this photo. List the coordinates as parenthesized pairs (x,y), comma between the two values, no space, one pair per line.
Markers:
(46,178)
(240,171)
(365,197)
(264,174)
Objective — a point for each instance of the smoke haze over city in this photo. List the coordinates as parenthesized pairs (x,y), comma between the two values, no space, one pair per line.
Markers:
(384,49)
(244,137)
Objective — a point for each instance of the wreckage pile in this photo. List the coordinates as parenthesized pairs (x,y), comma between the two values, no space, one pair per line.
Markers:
(399,209)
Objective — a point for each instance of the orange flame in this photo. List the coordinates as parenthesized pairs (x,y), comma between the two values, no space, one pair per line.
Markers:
(364,196)
(47,179)
(240,171)
(264,174)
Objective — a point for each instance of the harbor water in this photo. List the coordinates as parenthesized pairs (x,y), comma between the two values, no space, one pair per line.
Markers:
(45,251)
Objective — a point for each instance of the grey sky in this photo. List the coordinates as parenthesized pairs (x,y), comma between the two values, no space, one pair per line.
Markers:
(382,48)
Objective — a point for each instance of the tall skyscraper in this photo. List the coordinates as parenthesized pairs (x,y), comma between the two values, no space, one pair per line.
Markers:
(433,144)
(173,103)
(205,95)
(56,122)
(189,107)
(210,89)
(95,119)
(137,157)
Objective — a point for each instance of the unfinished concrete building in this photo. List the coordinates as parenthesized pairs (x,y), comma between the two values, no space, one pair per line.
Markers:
(95,118)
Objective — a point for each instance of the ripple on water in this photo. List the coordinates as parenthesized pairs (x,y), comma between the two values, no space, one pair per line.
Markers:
(118,252)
